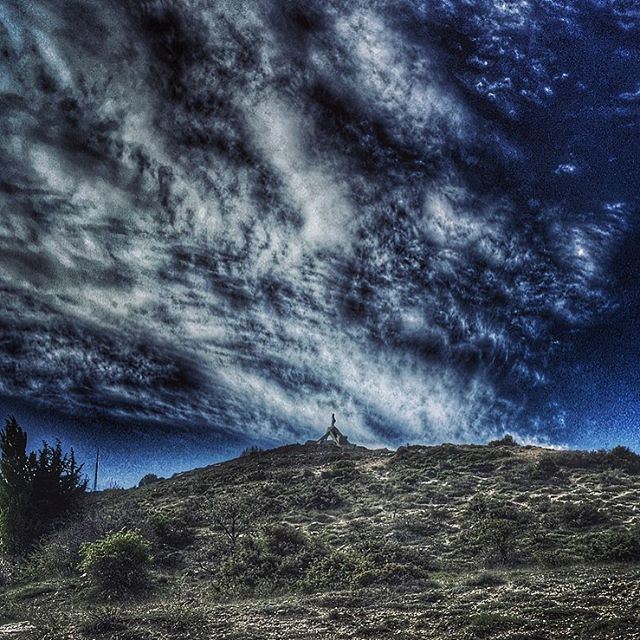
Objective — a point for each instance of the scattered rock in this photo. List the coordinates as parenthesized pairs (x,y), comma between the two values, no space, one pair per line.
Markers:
(16,629)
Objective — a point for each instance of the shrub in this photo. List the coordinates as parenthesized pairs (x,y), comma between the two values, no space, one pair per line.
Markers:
(323,497)
(498,539)
(414,526)
(103,620)
(283,539)
(483,507)
(250,451)
(7,571)
(623,458)
(490,624)
(623,453)
(546,468)
(618,458)
(619,545)
(343,569)
(242,571)
(93,523)
(553,558)
(507,441)
(387,563)
(52,559)
(272,559)
(486,579)
(393,574)
(579,514)
(342,471)
(497,528)
(171,530)
(117,563)
(336,570)
(150,478)
(283,559)
(379,552)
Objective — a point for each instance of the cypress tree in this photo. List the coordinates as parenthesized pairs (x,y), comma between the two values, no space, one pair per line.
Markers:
(15,485)
(36,490)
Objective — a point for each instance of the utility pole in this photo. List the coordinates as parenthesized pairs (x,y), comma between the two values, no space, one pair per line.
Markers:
(95,477)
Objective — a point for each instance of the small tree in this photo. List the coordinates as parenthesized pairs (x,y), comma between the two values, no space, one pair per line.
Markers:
(36,490)
(232,516)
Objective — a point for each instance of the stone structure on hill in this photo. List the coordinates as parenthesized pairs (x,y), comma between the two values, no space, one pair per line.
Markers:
(333,436)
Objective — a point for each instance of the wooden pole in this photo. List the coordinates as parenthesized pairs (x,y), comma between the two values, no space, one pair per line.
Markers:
(95,477)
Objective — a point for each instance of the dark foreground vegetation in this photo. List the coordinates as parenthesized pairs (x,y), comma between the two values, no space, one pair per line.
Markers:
(497,541)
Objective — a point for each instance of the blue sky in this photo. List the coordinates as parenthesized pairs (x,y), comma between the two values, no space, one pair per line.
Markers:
(221,224)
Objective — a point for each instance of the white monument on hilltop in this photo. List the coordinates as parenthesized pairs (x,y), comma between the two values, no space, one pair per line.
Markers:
(333,436)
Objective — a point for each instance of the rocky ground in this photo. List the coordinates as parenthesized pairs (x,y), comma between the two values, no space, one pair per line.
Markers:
(426,542)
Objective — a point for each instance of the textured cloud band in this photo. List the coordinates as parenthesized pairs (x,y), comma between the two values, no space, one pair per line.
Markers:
(247,215)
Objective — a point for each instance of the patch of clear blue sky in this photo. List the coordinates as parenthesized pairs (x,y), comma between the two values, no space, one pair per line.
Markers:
(128,453)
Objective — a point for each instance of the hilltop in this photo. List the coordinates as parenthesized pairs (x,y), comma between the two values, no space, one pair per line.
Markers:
(451,541)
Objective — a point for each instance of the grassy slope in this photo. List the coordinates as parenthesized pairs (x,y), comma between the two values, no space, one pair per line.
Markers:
(416,503)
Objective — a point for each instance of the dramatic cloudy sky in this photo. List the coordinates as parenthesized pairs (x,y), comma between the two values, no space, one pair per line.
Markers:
(221,220)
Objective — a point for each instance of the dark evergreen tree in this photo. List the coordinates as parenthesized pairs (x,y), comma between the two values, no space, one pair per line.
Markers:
(36,490)
(15,485)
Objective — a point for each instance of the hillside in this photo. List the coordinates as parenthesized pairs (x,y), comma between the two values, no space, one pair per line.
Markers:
(426,542)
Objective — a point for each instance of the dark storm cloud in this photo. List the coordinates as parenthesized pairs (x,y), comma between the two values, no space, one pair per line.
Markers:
(248,214)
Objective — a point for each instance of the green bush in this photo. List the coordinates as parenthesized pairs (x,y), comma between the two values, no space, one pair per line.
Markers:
(171,530)
(507,441)
(283,559)
(242,571)
(579,514)
(150,478)
(482,507)
(117,563)
(414,526)
(250,451)
(393,574)
(7,571)
(546,468)
(486,579)
(273,560)
(103,620)
(619,545)
(554,558)
(283,540)
(619,457)
(489,624)
(52,559)
(623,458)
(323,497)
(379,553)
(336,570)
(497,529)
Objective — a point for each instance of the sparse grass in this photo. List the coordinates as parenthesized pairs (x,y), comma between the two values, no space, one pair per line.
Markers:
(360,544)
(490,623)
